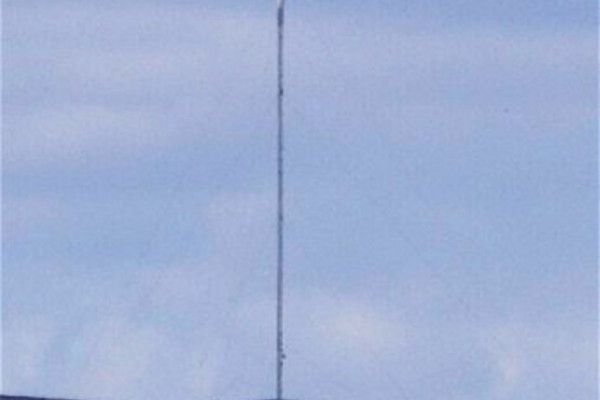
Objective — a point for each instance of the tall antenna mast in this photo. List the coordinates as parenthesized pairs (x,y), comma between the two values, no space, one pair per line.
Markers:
(280,209)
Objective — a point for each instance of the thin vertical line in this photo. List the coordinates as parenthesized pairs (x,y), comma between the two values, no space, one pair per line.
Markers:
(280,198)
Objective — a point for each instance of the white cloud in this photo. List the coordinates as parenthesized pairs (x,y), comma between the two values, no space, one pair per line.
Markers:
(117,358)
(244,219)
(26,357)
(132,332)
(540,360)
(82,134)
(114,82)
(182,74)
(21,215)
(125,82)
(124,353)
(355,329)
(438,86)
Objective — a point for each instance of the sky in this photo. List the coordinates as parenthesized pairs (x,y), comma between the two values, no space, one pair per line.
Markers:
(441,199)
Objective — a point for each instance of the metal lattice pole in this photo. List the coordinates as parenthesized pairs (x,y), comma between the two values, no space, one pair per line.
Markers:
(280,198)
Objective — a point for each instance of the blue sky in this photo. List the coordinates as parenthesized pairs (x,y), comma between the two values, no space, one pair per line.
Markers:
(441,216)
